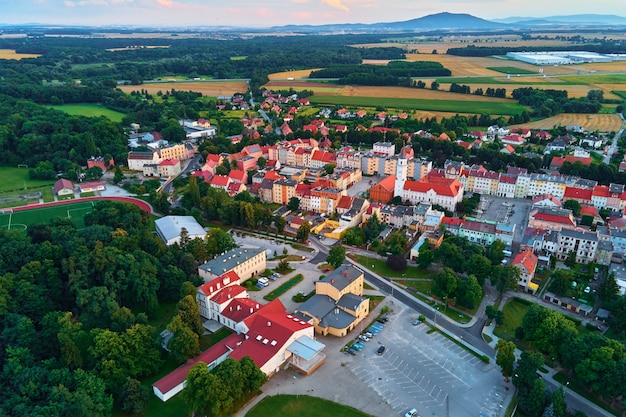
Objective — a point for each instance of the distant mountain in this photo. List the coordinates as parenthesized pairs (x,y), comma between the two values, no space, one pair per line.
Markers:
(581,19)
(439,21)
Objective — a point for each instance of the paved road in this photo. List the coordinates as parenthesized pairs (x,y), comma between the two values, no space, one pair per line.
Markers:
(613,148)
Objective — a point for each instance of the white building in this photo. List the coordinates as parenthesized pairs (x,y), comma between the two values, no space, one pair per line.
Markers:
(169,228)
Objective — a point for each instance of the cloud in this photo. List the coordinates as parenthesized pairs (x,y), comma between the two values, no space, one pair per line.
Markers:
(92,3)
(299,1)
(337,4)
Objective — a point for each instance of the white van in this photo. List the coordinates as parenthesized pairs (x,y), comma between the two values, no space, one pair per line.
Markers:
(264,281)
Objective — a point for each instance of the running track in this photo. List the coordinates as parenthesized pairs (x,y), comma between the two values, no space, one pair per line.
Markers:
(142,204)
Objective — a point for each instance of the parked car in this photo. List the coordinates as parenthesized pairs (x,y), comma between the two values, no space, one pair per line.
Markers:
(383,319)
(264,281)
(351,351)
(411,413)
(374,330)
(259,285)
(378,326)
(357,346)
(368,334)
(416,322)
(364,338)
(380,350)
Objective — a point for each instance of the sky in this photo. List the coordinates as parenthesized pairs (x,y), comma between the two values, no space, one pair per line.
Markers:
(267,13)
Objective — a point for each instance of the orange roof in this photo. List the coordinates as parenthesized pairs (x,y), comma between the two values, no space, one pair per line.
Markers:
(387,183)
(345,202)
(526,259)
(441,186)
(220,181)
(237,175)
(169,162)
(601,191)
(586,210)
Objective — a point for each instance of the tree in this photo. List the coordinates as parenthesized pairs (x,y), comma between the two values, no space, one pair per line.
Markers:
(329,168)
(434,85)
(505,277)
(480,266)
(505,357)
(118,176)
(261,162)
(494,314)
(133,396)
(573,205)
(205,392)
(559,407)
(336,256)
(189,313)
(533,403)
(397,262)
(495,252)
(303,231)
(280,223)
(445,283)
(469,292)
(184,344)
(293,204)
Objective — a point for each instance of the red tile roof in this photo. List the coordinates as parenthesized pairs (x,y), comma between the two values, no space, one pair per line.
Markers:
(237,175)
(526,259)
(220,181)
(452,221)
(269,330)
(63,184)
(345,202)
(574,193)
(227,293)
(216,284)
(387,183)
(553,218)
(241,308)
(601,191)
(441,186)
(586,210)
(481,227)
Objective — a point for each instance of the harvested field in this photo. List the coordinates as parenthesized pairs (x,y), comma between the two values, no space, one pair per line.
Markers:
(292,74)
(207,88)
(572,90)
(11,54)
(599,122)
(376,61)
(615,66)
(442,47)
(421,93)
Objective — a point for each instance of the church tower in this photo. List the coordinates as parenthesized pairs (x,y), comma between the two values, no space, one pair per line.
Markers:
(401,172)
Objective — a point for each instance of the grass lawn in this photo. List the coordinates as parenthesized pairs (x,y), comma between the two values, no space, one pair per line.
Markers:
(581,389)
(422,286)
(209,340)
(473,107)
(283,288)
(14,180)
(381,268)
(514,312)
(90,110)
(73,211)
(301,406)
(375,300)
(622,94)
(595,79)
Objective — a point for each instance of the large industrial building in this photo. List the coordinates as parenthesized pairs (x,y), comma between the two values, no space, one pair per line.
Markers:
(562,57)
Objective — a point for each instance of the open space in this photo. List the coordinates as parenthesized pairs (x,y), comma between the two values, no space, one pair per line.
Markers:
(590,122)
(207,88)
(292,74)
(11,54)
(90,110)
(22,219)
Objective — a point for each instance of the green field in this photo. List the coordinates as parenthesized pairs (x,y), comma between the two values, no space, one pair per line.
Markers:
(514,312)
(495,80)
(22,219)
(622,94)
(472,107)
(238,58)
(595,79)
(511,70)
(90,110)
(301,406)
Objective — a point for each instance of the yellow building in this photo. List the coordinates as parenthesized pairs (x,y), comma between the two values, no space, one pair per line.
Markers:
(244,262)
(338,305)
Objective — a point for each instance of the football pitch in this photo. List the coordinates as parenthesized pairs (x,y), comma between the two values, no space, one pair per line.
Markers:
(10,219)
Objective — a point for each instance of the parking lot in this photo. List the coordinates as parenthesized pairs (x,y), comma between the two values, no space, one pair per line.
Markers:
(428,372)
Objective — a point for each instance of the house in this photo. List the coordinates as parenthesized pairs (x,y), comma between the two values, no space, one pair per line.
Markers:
(245,262)
(169,168)
(546,200)
(557,161)
(513,140)
(91,187)
(63,188)
(526,262)
(338,305)
(220,181)
(100,163)
(170,228)
(382,192)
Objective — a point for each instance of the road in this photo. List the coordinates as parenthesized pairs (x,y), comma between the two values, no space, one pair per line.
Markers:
(192,165)
(613,148)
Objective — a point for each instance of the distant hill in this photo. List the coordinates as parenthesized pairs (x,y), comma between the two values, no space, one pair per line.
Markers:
(439,21)
(581,19)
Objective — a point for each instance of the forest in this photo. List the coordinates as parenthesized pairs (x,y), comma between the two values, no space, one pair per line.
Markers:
(394,73)
(77,307)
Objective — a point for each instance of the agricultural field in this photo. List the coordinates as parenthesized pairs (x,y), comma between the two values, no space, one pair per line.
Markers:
(207,88)
(318,88)
(455,106)
(419,93)
(512,70)
(591,122)
(292,74)
(90,110)
(11,54)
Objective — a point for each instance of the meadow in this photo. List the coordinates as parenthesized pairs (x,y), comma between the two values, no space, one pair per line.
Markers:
(90,110)
(15,180)
(301,406)
(590,122)
(471,107)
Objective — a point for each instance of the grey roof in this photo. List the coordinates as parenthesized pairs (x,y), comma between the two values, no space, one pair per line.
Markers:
(618,233)
(585,183)
(351,301)
(229,260)
(605,245)
(317,306)
(603,314)
(422,208)
(343,276)
(338,319)
(579,235)
(305,347)
(616,188)
(169,227)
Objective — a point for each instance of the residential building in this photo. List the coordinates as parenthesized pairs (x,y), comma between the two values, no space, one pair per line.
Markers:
(526,262)
(283,190)
(386,149)
(169,168)
(245,262)
(551,218)
(137,159)
(583,244)
(63,188)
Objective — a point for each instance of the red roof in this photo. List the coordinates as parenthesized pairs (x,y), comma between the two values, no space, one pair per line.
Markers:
(216,284)
(466,145)
(303,189)
(557,161)
(273,175)
(387,183)
(441,186)
(452,221)
(237,175)
(553,218)
(169,162)
(63,184)
(323,156)
(220,181)
(509,179)
(206,175)
(227,293)
(177,376)
(345,202)
(586,210)
(269,330)
(601,191)
(241,308)
(479,226)
(526,259)
(310,127)
(575,193)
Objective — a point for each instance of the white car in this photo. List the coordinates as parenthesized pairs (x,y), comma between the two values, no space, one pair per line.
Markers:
(264,281)
(411,413)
